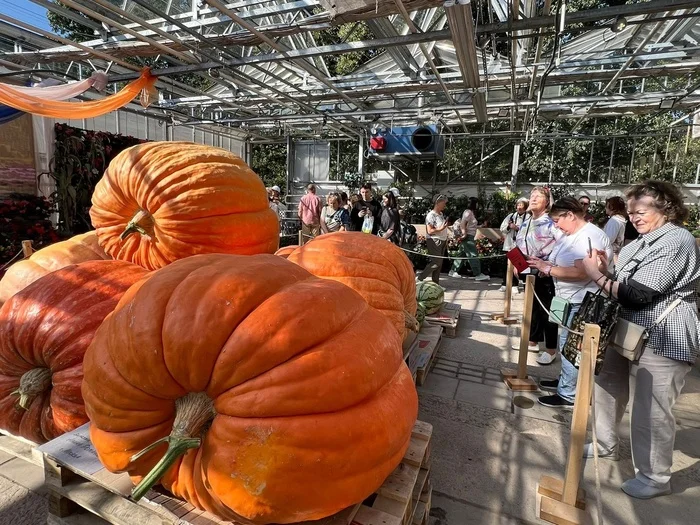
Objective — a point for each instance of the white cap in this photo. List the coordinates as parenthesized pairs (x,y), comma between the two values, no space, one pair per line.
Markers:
(276,188)
(395,191)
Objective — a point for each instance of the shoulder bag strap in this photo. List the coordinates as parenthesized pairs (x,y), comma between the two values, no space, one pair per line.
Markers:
(667,311)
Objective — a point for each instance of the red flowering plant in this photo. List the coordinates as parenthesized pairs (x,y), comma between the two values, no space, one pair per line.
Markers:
(79,161)
(24,217)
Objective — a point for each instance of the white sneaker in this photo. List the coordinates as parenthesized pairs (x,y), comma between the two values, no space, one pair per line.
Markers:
(455,275)
(482,277)
(530,348)
(502,289)
(545,358)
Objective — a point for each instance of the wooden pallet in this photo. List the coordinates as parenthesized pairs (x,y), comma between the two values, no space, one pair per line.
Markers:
(447,317)
(20,447)
(422,353)
(75,482)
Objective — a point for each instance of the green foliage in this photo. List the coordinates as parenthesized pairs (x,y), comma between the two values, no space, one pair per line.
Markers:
(79,160)
(344,157)
(68,28)
(269,161)
(346,63)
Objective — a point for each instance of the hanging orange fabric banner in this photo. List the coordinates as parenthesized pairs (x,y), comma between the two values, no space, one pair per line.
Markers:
(144,85)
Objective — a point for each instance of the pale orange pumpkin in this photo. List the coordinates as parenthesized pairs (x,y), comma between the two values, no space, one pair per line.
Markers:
(286,251)
(163,201)
(375,268)
(81,248)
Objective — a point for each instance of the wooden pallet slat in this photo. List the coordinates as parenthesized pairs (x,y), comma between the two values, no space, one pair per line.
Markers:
(20,448)
(93,488)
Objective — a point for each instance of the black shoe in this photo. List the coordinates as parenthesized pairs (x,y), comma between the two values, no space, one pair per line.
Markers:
(555,401)
(549,385)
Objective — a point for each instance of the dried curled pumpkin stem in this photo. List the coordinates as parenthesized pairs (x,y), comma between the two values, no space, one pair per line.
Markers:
(133,225)
(193,413)
(31,384)
(411,321)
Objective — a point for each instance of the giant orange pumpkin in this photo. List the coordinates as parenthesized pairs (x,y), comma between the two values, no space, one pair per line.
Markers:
(44,332)
(378,270)
(81,248)
(286,251)
(291,389)
(162,201)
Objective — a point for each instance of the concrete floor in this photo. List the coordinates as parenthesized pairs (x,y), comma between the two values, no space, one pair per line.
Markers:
(490,448)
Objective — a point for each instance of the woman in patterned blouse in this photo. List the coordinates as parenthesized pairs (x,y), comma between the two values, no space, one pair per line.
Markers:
(662,265)
(536,238)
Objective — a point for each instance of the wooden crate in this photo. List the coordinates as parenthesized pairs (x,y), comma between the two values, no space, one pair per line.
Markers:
(75,479)
(424,351)
(20,448)
(447,317)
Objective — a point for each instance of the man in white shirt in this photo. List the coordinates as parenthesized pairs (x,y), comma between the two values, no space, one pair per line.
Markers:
(436,239)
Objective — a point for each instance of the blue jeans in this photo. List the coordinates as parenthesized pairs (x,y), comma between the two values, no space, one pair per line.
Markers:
(569,373)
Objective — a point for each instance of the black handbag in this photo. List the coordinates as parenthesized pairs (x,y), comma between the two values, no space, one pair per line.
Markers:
(595,309)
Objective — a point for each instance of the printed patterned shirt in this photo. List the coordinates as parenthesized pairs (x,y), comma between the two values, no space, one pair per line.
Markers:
(666,260)
(537,237)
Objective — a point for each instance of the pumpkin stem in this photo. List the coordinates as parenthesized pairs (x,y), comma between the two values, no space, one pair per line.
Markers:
(193,413)
(31,384)
(133,225)
(411,321)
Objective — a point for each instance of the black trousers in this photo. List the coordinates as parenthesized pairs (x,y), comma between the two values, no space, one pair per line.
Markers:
(540,328)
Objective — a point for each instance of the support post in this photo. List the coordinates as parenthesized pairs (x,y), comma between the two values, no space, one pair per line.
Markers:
(519,380)
(505,318)
(301,238)
(27,249)
(562,501)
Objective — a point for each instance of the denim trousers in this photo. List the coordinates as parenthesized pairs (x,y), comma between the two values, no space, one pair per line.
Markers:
(569,373)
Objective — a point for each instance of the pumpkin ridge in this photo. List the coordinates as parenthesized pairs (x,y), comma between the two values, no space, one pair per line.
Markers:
(242,320)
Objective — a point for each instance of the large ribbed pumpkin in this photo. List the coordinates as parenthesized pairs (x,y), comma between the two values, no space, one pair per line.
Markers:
(286,251)
(81,248)
(295,387)
(377,269)
(44,332)
(162,201)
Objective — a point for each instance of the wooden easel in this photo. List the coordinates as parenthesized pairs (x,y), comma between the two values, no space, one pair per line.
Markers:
(519,380)
(563,502)
(505,318)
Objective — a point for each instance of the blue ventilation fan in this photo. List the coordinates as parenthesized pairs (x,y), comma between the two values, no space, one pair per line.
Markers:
(408,143)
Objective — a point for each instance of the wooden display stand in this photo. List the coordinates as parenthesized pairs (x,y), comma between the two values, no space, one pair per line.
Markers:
(506,318)
(563,502)
(447,318)
(75,479)
(519,381)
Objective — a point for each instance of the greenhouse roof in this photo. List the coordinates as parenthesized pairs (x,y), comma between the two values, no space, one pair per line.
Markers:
(455,62)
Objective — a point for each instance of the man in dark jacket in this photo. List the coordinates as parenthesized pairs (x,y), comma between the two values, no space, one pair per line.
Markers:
(368,205)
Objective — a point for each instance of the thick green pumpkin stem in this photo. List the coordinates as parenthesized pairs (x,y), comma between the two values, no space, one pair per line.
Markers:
(31,384)
(133,225)
(193,413)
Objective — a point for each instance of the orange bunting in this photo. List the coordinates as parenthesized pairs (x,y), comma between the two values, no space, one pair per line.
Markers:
(143,86)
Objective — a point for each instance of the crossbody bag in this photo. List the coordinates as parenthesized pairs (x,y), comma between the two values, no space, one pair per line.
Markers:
(629,338)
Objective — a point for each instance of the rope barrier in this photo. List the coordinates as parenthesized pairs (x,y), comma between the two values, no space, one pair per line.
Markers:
(8,263)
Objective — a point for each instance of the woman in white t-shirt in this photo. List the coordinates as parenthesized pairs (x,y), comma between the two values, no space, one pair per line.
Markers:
(615,208)
(467,232)
(565,266)
(436,239)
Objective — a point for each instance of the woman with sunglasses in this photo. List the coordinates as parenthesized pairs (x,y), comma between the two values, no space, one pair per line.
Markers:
(565,266)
